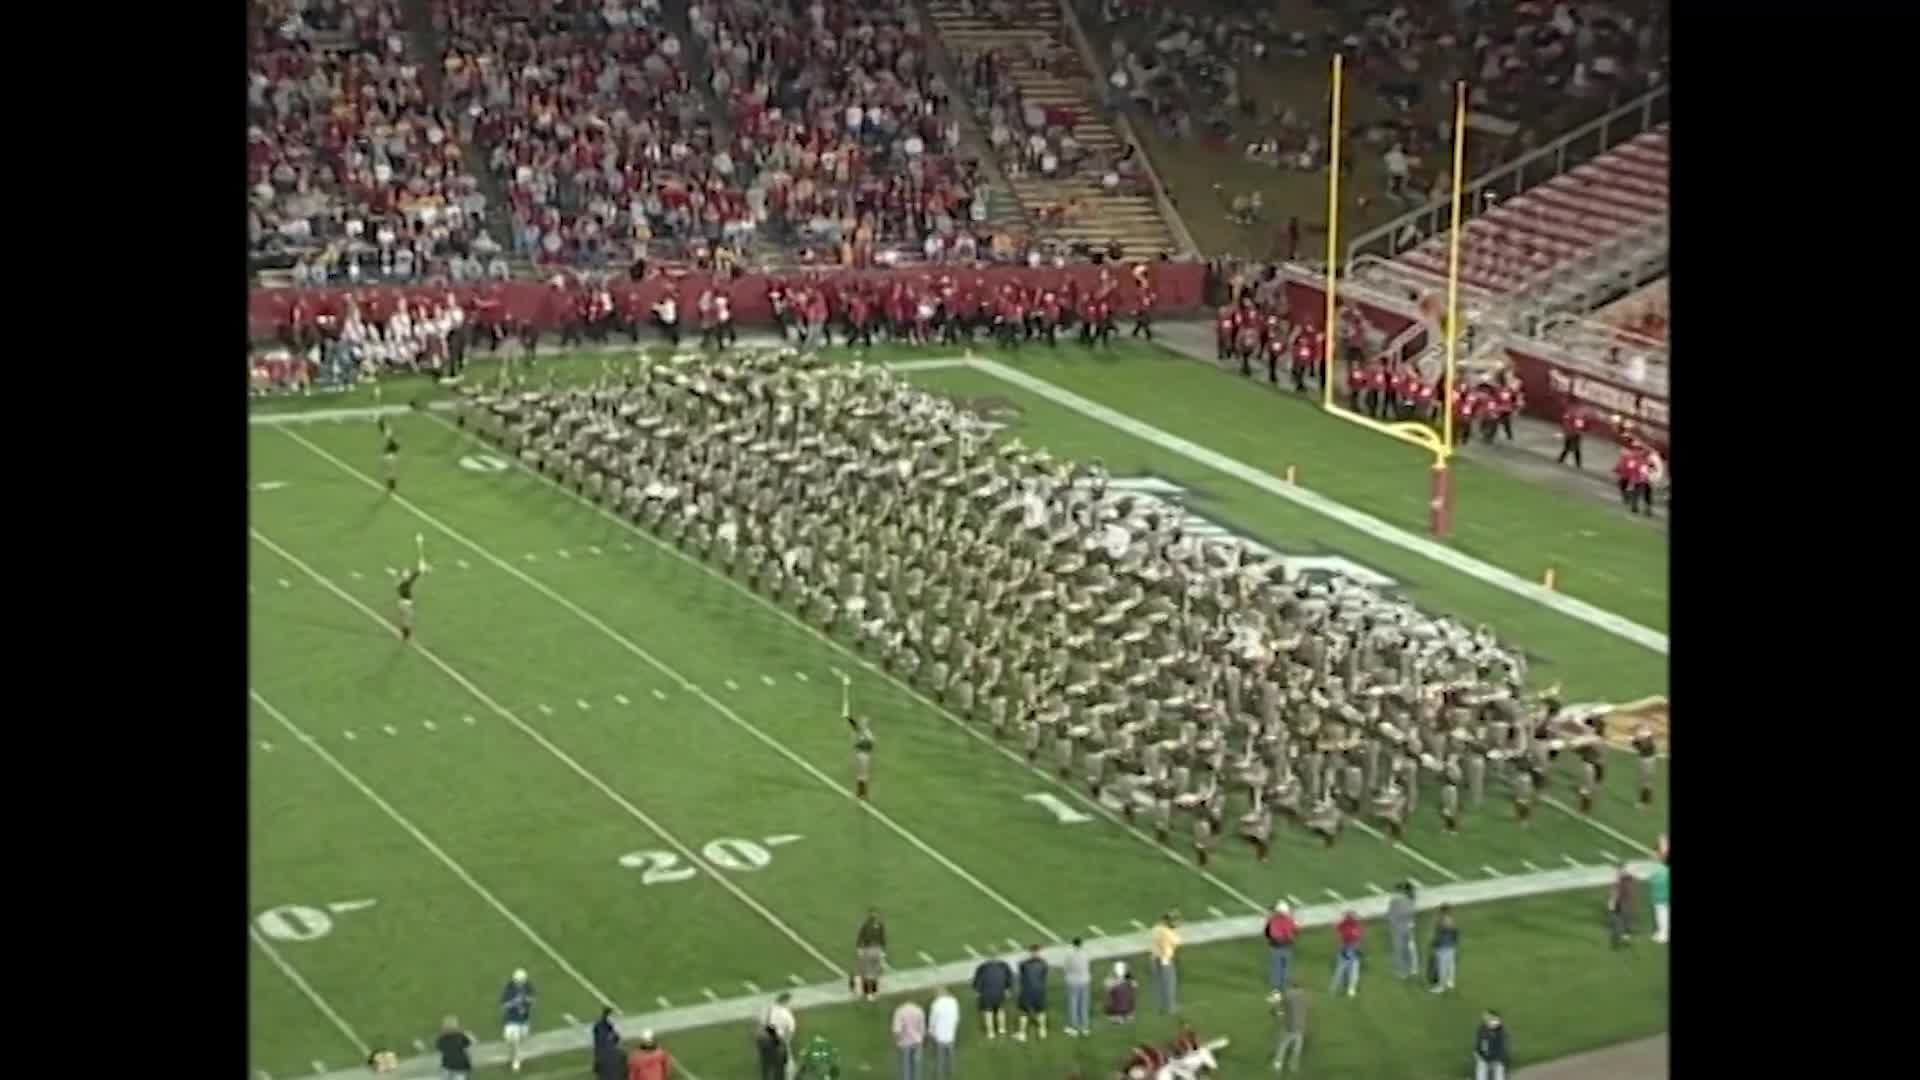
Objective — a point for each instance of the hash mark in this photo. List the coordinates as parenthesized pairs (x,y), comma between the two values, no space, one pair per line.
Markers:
(1217,913)
(711,996)
(428,724)
(420,1045)
(1529,866)
(350,735)
(284,583)
(1377,890)
(801,675)
(1014,945)
(545,709)
(391,572)
(1491,872)
(664,1003)
(1138,925)
(267,746)
(1296,901)
(768,679)
(1573,862)
(1335,895)
(660,694)
(593,550)
(625,546)
(318,1066)
(620,699)
(354,574)
(1096,931)
(796,980)
(752,987)
(926,959)
(531,557)
(390,729)
(470,720)
(563,553)
(568,1017)
(731,685)
(971,951)
(1609,856)
(582,702)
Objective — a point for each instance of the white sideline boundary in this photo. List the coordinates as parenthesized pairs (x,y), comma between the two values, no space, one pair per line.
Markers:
(1560,603)
(923,979)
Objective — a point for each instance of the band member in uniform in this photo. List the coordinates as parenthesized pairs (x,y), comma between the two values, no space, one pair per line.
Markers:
(1522,794)
(1646,751)
(1143,315)
(1202,835)
(1450,801)
(1589,781)
(862,754)
(1574,422)
(666,315)
(390,455)
(404,588)
(870,955)
(1506,402)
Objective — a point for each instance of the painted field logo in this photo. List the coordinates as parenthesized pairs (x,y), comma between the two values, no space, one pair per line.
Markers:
(1151,493)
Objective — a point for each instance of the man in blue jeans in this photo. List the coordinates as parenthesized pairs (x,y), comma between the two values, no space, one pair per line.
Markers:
(1281,931)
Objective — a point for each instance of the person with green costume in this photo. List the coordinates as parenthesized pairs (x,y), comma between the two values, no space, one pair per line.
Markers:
(818,1061)
(1660,888)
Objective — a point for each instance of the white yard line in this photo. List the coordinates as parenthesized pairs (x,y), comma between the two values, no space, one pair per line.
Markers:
(672,673)
(413,830)
(1072,790)
(1598,826)
(1371,526)
(564,758)
(312,995)
(919,980)
(1406,850)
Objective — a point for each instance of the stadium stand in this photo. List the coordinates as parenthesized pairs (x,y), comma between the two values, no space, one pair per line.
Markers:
(354,173)
(1076,177)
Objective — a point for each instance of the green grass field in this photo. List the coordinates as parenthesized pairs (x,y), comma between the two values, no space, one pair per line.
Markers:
(609,764)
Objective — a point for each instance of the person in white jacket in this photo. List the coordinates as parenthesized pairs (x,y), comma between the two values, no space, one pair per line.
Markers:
(943,1027)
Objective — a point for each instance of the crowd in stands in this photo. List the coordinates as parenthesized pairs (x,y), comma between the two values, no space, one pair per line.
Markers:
(354,175)
(844,135)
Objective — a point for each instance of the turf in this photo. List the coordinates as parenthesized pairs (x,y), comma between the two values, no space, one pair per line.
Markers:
(584,695)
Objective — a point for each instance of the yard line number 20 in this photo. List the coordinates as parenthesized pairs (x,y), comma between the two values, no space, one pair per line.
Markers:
(727,853)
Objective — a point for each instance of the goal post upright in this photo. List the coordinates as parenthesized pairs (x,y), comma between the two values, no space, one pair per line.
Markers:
(1438,443)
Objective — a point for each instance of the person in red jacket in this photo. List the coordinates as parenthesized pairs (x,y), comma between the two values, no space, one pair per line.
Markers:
(648,1061)
(1506,402)
(1574,421)
(1346,963)
(1631,472)
(1357,385)
(1302,350)
(1224,325)
(1379,389)
(1281,932)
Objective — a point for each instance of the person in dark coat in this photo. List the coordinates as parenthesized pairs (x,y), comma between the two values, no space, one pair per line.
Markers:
(773,1054)
(609,1063)
(1490,1049)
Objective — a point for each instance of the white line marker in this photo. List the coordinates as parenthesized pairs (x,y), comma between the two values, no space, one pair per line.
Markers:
(462,564)
(1216,912)
(1609,856)
(1530,867)
(768,679)
(544,743)
(660,695)
(801,675)
(343,907)
(1014,945)
(1375,889)
(390,729)
(270,485)
(429,725)
(1095,931)
(711,996)
(1296,901)
(782,838)
(470,721)
(1601,826)
(568,1017)
(796,980)
(972,952)
(266,746)
(310,993)
(563,554)
(582,702)
(752,987)
(350,735)
(545,709)
(355,575)
(318,1065)
(591,550)
(1137,924)
(420,1045)
(926,959)
(391,572)
(531,557)
(1336,896)
(1491,872)
(1573,862)
(731,685)
(621,699)
(285,584)
(664,1003)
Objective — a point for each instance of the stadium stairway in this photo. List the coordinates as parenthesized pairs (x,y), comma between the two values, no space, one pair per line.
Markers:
(1134,220)
(1559,245)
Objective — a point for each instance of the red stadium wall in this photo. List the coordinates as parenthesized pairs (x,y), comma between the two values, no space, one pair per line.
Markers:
(1178,286)
(1550,381)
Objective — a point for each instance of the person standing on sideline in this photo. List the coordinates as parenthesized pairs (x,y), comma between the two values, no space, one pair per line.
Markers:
(1166,975)
(454,1044)
(943,1027)
(1078,970)
(1620,910)
(1292,1006)
(608,1062)
(780,1018)
(1400,927)
(1281,932)
(1446,950)
(1346,964)
(991,981)
(1573,425)
(648,1061)
(773,1053)
(1660,888)
(516,1013)
(1033,995)
(870,955)
(1490,1049)
(909,1031)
